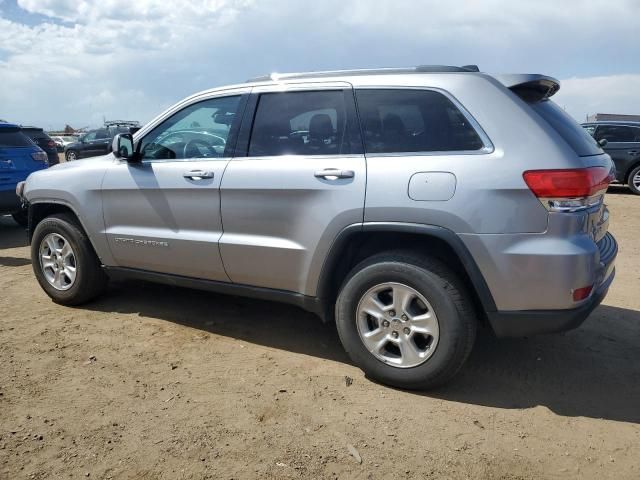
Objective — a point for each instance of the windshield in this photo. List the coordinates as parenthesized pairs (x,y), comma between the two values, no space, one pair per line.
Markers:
(577,137)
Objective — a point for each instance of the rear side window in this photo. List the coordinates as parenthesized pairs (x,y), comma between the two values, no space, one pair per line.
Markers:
(577,137)
(618,133)
(14,138)
(300,123)
(395,121)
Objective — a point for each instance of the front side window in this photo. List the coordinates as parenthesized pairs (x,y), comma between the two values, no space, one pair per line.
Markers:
(89,136)
(102,134)
(395,121)
(300,123)
(200,130)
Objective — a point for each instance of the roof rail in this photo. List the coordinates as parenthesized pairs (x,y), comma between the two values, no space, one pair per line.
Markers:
(366,71)
(128,123)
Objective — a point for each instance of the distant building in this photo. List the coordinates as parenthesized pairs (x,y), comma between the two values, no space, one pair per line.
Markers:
(617,117)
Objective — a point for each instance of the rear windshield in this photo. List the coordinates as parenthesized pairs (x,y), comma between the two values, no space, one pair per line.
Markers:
(35,134)
(14,138)
(577,137)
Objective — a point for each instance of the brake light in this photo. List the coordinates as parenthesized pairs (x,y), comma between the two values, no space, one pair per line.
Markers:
(569,190)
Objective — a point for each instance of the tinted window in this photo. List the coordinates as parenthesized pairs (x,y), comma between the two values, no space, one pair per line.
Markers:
(618,133)
(300,123)
(35,134)
(89,136)
(200,130)
(14,138)
(577,137)
(102,134)
(413,121)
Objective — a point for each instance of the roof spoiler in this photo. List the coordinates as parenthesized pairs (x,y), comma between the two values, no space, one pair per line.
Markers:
(529,86)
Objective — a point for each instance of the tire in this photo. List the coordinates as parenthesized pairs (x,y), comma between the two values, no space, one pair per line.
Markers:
(446,298)
(21,218)
(90,280)
(634,180)
(71,155)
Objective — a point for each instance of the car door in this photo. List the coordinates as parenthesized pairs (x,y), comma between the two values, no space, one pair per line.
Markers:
(85,145)
(623,145)
(162,214)
(99,145)
(301,182)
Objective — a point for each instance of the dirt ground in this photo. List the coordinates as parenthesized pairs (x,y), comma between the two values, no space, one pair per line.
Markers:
(154,382)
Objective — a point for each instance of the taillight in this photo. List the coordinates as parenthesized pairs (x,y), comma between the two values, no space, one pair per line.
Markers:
(569,190)
(39,156)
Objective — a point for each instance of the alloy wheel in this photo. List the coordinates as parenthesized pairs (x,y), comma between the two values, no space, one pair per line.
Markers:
(397,325)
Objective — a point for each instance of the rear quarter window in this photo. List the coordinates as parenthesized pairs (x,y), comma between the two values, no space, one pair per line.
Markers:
(575,135)
(399,120)
(14,138)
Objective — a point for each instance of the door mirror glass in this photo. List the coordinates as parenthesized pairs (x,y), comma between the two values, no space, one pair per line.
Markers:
(123,146)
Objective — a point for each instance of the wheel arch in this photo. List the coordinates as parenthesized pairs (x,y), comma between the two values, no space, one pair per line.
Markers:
(631,168)
(358,242)
(40,210)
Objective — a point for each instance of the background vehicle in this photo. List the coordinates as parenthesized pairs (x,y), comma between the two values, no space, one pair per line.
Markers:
(19,156)
(623,144)
(98,142)
(44,141)
(63,140)
(404,203)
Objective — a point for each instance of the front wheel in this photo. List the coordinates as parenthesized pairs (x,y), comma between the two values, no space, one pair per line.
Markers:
(406,320)
(71,155)
(64,262)
(634,180)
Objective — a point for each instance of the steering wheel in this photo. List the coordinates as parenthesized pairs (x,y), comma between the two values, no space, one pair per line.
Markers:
(191,144)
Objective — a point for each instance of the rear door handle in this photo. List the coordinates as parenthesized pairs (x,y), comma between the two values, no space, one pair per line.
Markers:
(334,174)
(633,152)
(197,175)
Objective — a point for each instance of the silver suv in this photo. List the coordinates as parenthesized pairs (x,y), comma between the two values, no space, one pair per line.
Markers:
(410,205)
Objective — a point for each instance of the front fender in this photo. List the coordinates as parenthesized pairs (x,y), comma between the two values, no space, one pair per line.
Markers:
(77,187)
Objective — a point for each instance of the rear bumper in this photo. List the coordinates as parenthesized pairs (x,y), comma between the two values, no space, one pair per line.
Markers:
(533,322)
(9,201)
(53,158)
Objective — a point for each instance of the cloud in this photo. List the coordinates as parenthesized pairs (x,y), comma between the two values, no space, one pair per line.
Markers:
(123,58)
(605,94)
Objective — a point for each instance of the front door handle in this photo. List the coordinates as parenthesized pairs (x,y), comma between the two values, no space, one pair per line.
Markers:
(334,174)
(197,175)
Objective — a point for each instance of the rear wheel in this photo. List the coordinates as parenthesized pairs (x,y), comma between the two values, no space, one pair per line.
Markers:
(64,262)
(71,155)
(406,320)
(634,180)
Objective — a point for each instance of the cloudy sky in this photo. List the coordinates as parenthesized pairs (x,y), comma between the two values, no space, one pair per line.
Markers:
(77,61)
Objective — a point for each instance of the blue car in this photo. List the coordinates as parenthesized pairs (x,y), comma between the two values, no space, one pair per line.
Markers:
(19,156)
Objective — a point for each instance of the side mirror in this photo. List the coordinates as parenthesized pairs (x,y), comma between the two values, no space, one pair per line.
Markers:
(603,142)
(122,147)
